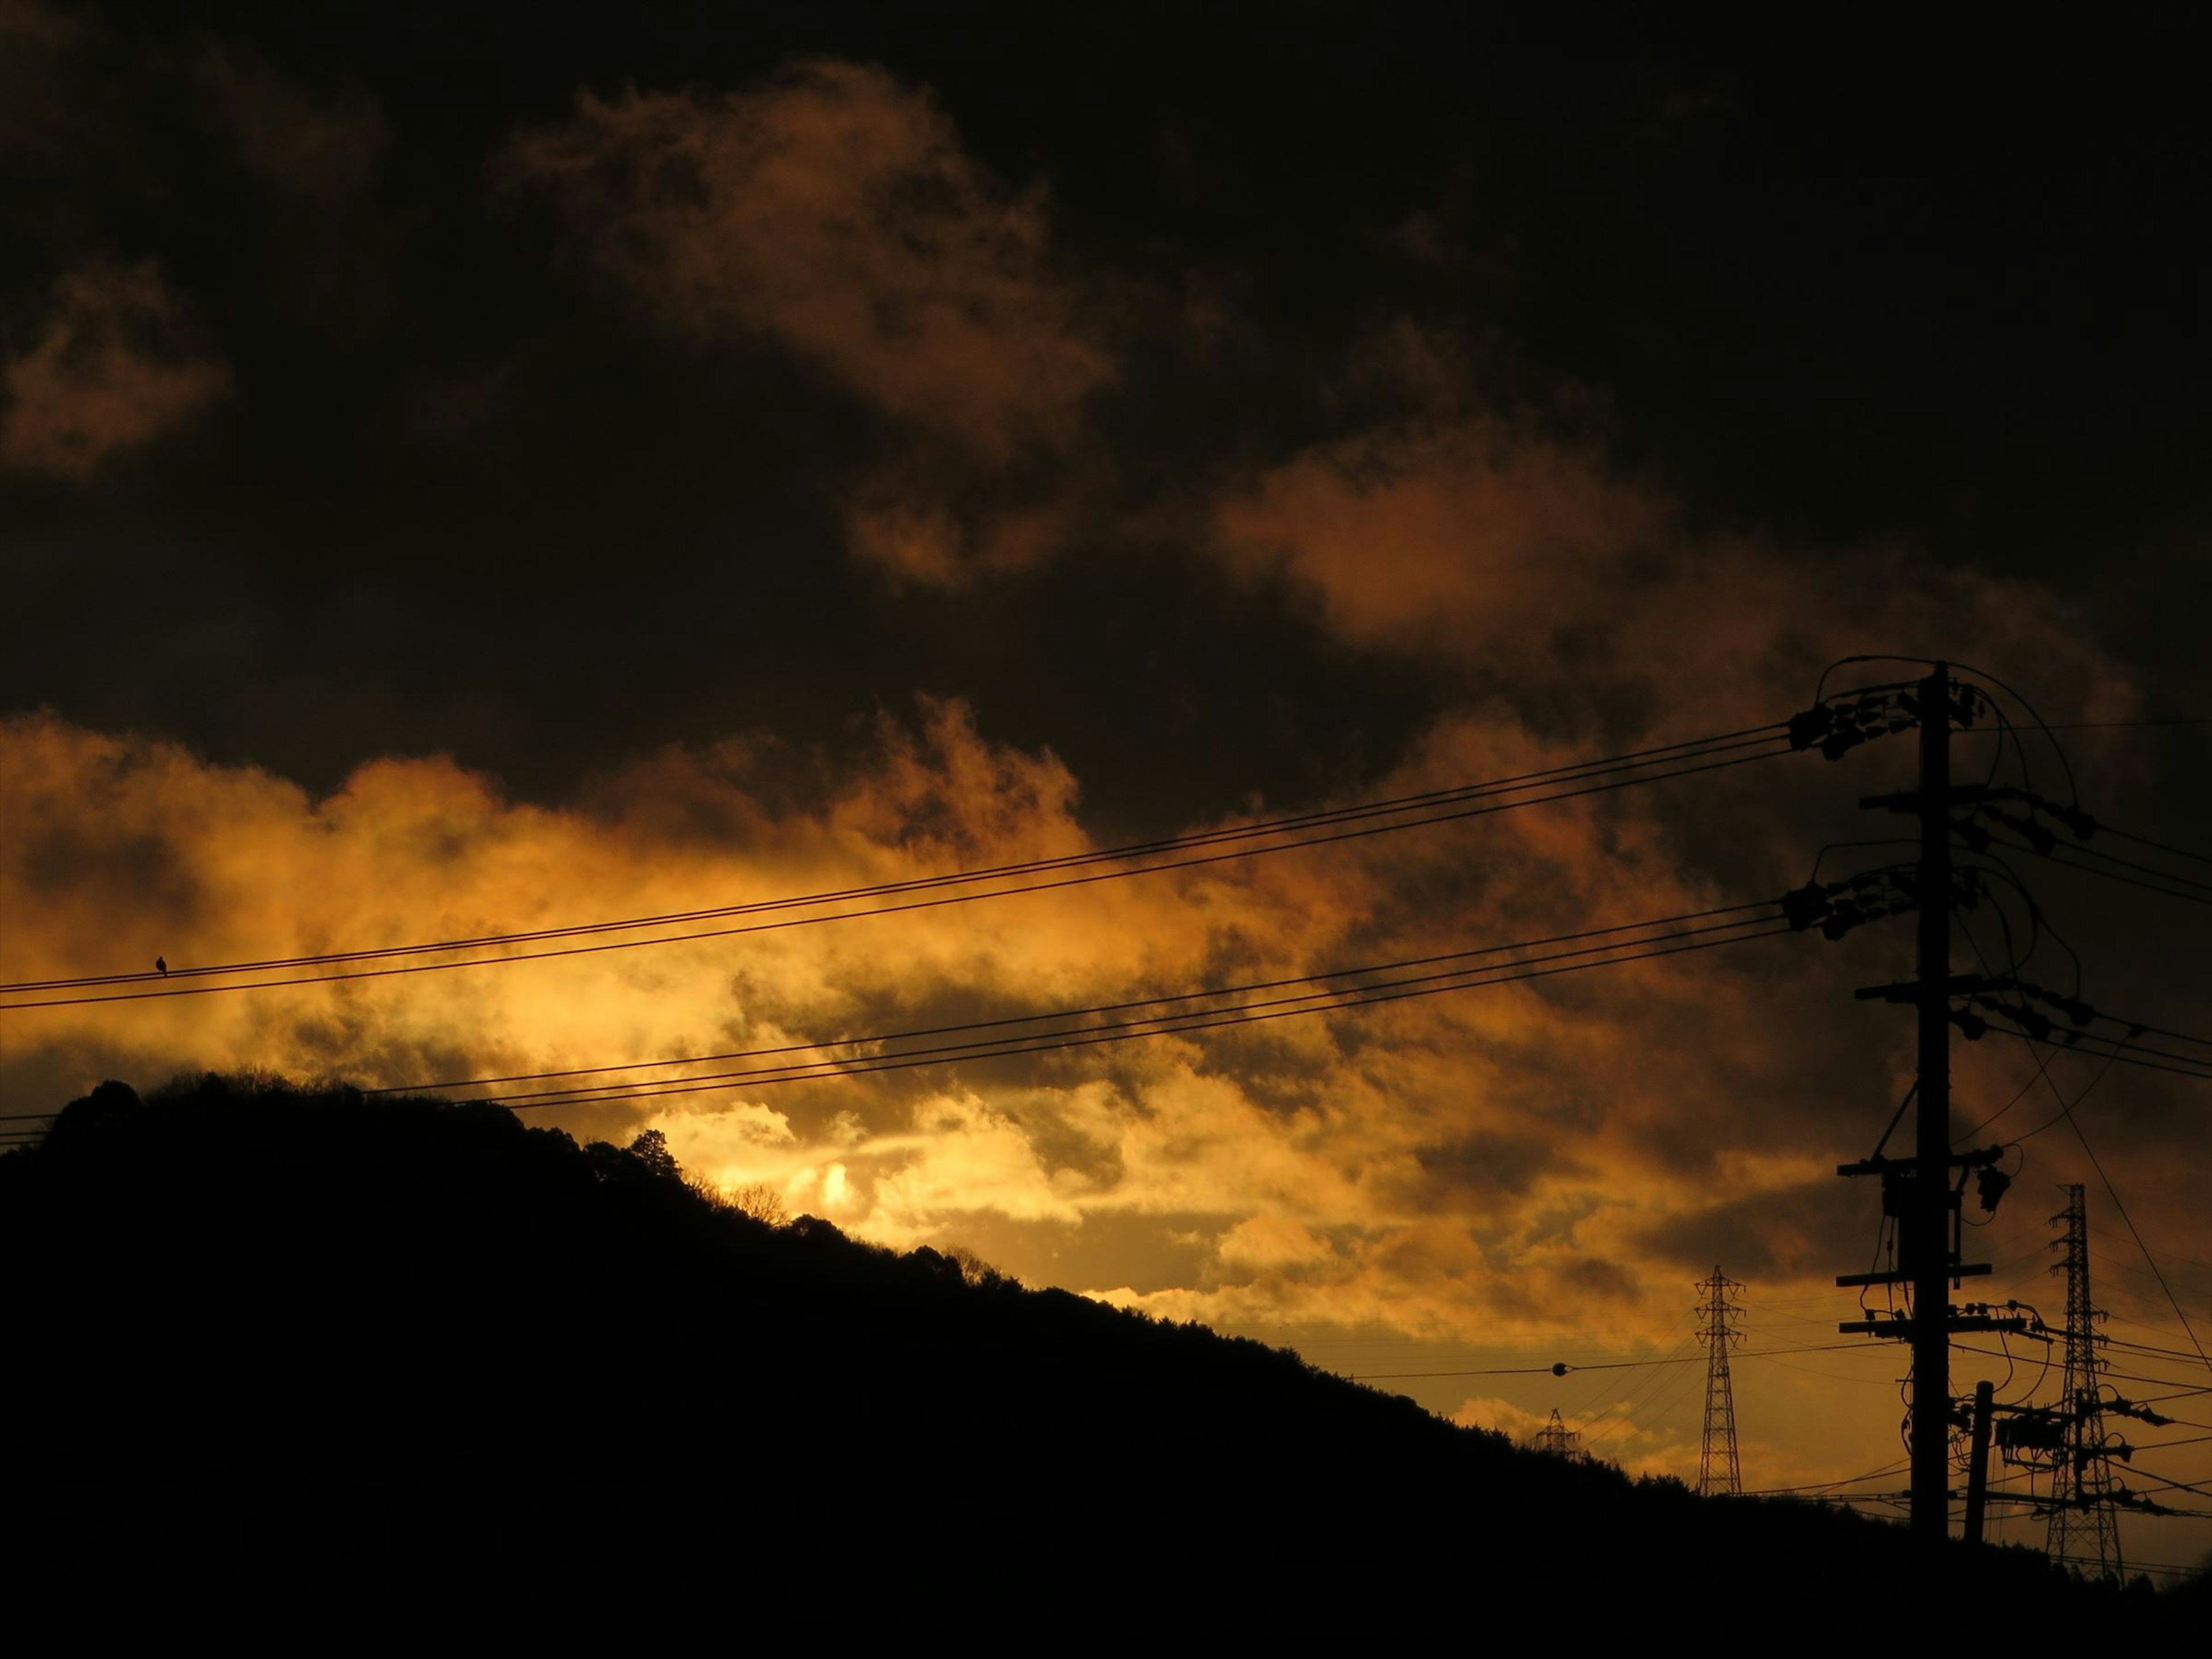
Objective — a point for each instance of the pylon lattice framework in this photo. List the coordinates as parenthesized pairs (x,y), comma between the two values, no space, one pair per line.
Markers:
(2084,1524)
(1718,1472)
(1556,1438)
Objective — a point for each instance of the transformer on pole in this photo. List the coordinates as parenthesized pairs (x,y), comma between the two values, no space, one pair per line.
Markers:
(1718,1472)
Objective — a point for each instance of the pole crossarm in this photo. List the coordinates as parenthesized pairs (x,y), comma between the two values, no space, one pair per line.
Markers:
(1906,1327)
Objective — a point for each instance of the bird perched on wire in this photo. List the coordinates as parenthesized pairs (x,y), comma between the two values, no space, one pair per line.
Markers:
(160,964)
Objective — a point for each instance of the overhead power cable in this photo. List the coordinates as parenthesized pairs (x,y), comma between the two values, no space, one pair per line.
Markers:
(2157,845)
(1200,848)
(2066,1107)
(1322,1001)
(2112,1048)
(1608,1366)
(2094,726)
(2089,851)
(2150,1348)
(2189,890)
(2097,1164)
(447,1085)
(1883,1472)
(872,1053)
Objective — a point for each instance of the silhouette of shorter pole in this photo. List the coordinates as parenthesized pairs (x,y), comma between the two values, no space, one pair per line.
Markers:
(1978,1461)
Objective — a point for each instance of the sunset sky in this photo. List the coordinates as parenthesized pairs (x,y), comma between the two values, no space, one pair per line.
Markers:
(479,468)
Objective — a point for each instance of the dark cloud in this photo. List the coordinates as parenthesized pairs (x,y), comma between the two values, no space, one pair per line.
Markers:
(833,212)
(316,152)
(1802,1230)
(113,366)
(1481,1171)
(38,44)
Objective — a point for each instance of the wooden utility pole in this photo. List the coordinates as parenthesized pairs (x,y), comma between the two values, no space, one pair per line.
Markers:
(1924,1224)
(1918,1191)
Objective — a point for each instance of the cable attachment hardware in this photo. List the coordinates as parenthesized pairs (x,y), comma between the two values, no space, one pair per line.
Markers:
(2010,1000)
(2001,997)
(1837,906)
(1839,725)
(1981,801)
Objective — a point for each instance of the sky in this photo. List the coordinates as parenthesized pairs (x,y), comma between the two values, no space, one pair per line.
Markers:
(480,468)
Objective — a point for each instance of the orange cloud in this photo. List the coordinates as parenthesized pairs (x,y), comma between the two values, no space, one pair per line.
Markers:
(834,211)
(1492,540)
(112,369)
(1499,1167)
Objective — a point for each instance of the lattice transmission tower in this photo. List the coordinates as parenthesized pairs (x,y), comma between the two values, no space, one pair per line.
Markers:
(2084,1521)
(1556,1438)
(1717,1473)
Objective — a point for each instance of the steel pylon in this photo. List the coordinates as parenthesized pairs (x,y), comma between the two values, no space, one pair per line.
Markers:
(1719,1473)
(2084,1522)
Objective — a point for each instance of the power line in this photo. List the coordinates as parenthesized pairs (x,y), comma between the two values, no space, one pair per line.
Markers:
(2092,725)
(2019,1096)
(2180,1390)
(1673,1386)
(2059,856)
(2085,851)
(2178,1485)
(1642,1393)
(1619,772)
(2158,846)
(1349,999)
(2096,1164)
(1111,1007)
(1887,1469)
(2066,1107)
(2082,1043)
(2129,1045)
(1611,1365)
(1165,1025)
(2177,1393)
(2186,1260)
(2146,1347)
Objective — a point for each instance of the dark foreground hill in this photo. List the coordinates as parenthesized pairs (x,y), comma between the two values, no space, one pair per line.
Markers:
(258,1337)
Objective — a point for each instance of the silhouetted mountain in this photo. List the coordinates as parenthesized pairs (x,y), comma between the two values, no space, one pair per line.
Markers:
(260,1335)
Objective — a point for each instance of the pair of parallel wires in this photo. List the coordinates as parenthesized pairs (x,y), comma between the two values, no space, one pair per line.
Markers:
(1320,992)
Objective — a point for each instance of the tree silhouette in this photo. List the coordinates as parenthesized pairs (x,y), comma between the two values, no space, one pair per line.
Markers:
(651,1150)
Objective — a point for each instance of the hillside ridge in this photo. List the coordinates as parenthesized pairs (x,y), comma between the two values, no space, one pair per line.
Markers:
(456,1349)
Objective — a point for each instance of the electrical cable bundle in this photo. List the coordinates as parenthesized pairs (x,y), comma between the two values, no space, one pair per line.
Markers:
(1203,847)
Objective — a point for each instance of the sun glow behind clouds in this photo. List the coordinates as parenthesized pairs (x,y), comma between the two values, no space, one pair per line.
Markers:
(1511,1161)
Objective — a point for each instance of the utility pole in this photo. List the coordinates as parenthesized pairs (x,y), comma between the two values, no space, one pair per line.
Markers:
(1919,1191)
(1977,1460)
(1717,1473)
(1922,1224)
(2084,1525)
